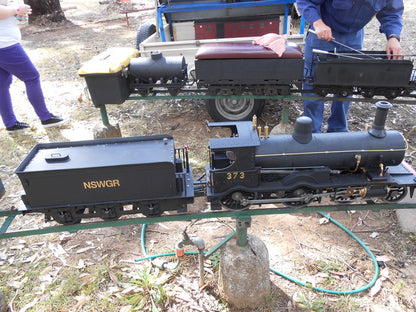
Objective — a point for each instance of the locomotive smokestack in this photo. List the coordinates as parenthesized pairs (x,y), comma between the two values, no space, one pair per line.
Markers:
(303,130)
(156,55)
(377,130)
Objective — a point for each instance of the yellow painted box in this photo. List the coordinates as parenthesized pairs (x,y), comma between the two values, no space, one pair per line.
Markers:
(104,76)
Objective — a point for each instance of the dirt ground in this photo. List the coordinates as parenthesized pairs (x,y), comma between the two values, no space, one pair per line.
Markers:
(101,262)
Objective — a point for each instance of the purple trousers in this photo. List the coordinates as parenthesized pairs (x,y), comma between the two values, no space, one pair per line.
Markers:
(15,62)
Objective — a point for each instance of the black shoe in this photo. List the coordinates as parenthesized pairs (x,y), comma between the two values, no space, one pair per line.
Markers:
(18,126)
(53,121)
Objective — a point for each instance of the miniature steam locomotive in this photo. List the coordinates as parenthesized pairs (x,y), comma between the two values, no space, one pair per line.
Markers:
(112,177)
(238,68)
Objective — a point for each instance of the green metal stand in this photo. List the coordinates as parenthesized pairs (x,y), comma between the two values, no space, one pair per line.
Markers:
(242,224)
(7,223)
(285,114)
(104,115)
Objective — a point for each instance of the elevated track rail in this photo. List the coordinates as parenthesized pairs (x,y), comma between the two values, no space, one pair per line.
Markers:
(11,215)
(296,95)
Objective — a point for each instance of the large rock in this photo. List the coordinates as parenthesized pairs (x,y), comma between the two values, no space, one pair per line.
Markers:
(106,131)
(244,279)
(407,217)
(407,220)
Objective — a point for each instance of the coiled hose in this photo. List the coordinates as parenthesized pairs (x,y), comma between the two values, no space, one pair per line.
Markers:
(348,292)
(334,292)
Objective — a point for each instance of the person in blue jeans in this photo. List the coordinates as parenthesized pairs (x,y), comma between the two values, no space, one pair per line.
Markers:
(343,21)
(15,62)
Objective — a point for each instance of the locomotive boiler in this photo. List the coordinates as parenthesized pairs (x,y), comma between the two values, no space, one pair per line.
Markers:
(300,168)
(109,178)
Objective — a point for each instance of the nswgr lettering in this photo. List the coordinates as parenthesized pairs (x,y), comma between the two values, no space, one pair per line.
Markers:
(101,184)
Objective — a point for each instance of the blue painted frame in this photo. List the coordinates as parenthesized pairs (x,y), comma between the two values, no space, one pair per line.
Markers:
(167,9)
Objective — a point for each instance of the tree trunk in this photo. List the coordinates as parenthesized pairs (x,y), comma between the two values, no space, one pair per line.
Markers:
(45,11)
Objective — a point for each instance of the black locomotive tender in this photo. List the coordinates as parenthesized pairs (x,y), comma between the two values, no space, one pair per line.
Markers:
(113,177)
(239,68)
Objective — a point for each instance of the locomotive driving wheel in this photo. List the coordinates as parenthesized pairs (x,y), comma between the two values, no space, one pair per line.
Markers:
(344,195)
(237,200)
(303,197)
(395,194)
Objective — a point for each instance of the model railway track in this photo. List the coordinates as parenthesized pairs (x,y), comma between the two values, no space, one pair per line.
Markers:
(295,96)
(11,215)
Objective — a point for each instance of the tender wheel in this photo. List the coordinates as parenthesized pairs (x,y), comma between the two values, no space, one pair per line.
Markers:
(321,91)
(144,32)
(173,91)
(367,93)
(150,209)
(234,109)
(395,194)
(144,91)
(392,94)
(108,212)
(67,216)
(237,200)
(344,92)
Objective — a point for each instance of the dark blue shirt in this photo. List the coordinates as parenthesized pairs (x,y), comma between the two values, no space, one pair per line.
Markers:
(346,16)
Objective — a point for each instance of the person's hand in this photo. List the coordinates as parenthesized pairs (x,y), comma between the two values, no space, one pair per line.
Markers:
(322,30)
(393,49)
(23,9)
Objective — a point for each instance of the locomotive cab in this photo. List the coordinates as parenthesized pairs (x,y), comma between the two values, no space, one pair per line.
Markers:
(232,160)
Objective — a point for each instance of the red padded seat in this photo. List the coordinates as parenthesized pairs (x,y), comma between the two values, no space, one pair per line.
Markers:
(245,50)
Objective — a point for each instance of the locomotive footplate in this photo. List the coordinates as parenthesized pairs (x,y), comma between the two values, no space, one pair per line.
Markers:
(351,187)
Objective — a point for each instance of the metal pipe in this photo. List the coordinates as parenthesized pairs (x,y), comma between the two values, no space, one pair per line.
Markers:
(336,54)
(199,243)
(344,45)
(201,267)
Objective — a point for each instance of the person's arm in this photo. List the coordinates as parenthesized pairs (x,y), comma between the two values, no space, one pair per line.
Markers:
(311,12)
(310,9)
(390,19)
(7,11)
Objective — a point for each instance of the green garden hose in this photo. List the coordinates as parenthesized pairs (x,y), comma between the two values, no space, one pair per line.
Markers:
(348,292)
